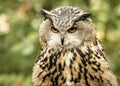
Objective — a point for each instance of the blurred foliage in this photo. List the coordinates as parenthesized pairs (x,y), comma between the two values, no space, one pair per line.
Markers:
(19,37)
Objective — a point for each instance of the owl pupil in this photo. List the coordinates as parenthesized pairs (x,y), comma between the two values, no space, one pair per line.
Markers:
(72,28)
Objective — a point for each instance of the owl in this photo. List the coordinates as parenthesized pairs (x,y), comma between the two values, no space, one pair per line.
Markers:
(71,54)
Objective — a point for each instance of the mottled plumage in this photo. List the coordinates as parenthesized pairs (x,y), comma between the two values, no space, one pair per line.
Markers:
(71,53)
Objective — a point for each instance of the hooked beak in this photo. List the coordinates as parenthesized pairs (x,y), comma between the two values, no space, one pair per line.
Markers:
(62,40)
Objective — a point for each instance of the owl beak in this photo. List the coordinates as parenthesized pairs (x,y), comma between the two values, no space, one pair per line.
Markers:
(62,40)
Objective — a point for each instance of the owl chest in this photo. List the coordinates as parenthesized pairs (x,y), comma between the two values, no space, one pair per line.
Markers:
(71,69)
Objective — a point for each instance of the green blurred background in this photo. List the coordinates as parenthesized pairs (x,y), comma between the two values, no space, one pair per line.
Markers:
(19,36)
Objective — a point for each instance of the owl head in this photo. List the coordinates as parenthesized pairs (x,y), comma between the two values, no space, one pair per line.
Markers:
(66,26)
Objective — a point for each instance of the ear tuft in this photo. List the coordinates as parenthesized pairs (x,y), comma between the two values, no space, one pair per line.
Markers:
(86,15)
(83,16)
(45,13)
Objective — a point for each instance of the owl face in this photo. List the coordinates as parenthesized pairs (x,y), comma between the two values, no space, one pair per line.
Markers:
(65,26)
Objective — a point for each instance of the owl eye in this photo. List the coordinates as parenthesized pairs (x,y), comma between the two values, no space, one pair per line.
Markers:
(53,29)
(72,29)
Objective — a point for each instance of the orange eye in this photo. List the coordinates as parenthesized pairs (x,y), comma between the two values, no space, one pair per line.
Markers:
(72,29)
(53,29)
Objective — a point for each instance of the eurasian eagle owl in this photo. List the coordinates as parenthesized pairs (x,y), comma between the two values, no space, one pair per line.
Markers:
(71,53)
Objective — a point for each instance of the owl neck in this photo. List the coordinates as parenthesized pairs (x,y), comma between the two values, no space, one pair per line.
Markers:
(87,46)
